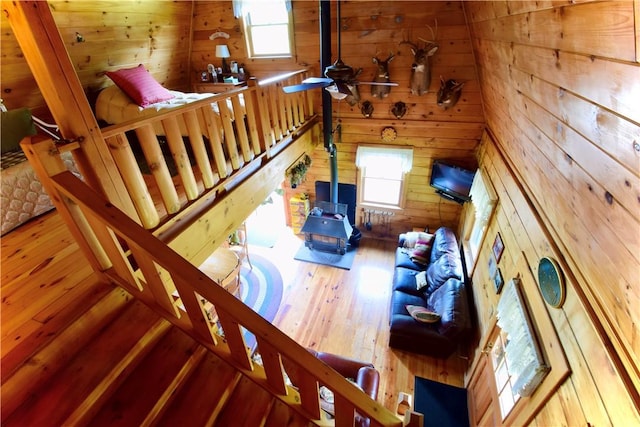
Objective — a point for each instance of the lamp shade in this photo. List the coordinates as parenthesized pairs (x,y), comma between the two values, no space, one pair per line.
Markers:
(222,51)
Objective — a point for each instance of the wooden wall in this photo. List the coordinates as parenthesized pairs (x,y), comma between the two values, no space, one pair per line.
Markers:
(561,86)
(371,28)
(116,35)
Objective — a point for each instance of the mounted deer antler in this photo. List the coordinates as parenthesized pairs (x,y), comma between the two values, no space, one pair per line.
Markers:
(421,69)
(382,76)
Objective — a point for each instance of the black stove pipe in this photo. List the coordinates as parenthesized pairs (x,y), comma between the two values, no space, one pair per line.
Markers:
(327,119)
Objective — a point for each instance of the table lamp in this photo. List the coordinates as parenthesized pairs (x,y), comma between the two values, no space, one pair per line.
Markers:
(222,51)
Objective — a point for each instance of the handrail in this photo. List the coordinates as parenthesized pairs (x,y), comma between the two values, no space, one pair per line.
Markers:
(134,252)
(116,231)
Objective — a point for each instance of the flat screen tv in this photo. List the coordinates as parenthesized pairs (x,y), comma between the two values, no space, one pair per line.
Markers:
(451,182)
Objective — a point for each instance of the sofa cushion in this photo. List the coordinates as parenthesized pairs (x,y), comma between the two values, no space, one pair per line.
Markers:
(404,280)
(450,302)
(444,242)
(399,301)
(403,260)
(422,314)
(409,239)
(421,251)
(444,268)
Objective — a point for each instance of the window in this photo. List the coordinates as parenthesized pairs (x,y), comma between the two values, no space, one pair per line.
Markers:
(268,26)
(483,202)
(382,176)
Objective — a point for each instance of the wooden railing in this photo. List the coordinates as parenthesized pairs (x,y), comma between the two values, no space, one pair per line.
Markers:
(141,255)
(224,133)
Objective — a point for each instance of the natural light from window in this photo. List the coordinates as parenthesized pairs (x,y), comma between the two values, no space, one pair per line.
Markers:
(382,174)
(268,27)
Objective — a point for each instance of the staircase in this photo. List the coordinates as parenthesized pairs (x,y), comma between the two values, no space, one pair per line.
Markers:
(118,363)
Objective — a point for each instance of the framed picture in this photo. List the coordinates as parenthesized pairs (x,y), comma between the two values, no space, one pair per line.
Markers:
(492,266)
(204,76)
(498,281)
(498,248)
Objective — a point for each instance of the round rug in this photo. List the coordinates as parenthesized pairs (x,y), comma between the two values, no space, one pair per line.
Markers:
(261,287)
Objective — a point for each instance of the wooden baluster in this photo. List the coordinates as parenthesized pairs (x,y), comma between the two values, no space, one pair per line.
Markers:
(288,109)
(195,311)
(272,366)
(158,284)
(309,394)
(180,156)
(155,160)
(229,135)
(253,119)
(241,129)
(114,251)
(265,119)
(212,122)
(275,113)
(209,178)
(233,336)
(281,109)
(344,411)
(125,160)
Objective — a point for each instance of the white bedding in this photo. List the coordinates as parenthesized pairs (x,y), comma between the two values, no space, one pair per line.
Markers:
(22,194)
(113,106)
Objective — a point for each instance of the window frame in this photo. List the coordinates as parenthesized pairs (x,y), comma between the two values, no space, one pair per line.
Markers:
(361,177)
(247,26)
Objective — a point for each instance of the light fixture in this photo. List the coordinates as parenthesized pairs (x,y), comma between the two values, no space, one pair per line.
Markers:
(335,93)
(222,51)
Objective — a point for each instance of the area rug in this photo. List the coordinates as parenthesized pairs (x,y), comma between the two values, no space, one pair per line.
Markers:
(326,258)
(442,404)
(260,289)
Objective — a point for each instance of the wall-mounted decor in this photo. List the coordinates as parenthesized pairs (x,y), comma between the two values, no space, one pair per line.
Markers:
(399,109)
(498,247)
(498,281)
(388,134)
(551,282)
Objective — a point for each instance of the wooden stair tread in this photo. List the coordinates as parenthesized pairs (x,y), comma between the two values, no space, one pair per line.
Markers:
(38,368)
(202,399)
(136,398)
(53,402)
(283,416)
(248,406)
(25,341)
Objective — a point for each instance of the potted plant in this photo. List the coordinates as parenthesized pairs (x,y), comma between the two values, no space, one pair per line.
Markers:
(298,172)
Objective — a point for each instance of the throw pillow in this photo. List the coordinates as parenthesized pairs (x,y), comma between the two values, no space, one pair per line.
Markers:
(140,85)
(421,250)
(421,280)
(412,237)
(15,125)
(421,314)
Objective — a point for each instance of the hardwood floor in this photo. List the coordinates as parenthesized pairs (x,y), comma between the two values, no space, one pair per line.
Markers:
(45,278)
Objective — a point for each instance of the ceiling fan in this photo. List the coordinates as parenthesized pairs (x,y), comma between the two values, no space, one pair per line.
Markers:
(340,79)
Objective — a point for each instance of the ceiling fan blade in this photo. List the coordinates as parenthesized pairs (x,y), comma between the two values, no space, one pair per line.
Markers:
(376,83)
(343,87)
(310,83)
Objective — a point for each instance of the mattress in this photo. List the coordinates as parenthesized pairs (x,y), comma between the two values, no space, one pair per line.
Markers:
(22,194)
(113,106)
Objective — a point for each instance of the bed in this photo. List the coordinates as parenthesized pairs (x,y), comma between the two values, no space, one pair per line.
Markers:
(113,106)
(22,194)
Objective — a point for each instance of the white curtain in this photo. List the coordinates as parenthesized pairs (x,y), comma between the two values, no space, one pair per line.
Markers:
(483,197)
(393,158)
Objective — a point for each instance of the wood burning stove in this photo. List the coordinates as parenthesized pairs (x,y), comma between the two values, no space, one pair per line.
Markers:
(327,228)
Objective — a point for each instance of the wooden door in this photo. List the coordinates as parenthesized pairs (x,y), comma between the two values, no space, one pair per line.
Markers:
(482,395)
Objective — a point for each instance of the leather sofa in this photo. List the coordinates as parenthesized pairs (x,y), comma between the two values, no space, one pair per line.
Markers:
(444,294)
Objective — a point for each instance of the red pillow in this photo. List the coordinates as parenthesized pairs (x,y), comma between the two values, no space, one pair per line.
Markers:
(139,85)
(420,253)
